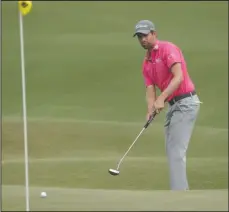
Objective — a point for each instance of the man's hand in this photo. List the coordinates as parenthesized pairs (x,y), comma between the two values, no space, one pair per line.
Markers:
(159,104)
(148,116)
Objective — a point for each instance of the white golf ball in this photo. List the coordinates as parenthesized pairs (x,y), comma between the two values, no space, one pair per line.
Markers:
(43,194)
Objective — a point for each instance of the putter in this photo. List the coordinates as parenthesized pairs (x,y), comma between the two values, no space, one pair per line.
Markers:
(116,171)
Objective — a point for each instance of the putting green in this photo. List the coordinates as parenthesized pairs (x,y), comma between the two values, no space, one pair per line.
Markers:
(60,199)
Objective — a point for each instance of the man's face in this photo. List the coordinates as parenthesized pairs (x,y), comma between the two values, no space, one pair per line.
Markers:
(147,41)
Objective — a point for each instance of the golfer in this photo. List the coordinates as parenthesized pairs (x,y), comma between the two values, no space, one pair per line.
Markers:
(164,66)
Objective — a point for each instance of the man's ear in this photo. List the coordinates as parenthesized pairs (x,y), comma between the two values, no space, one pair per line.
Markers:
(154,33)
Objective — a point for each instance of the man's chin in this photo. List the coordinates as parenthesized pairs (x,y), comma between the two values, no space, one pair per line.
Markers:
(145,46)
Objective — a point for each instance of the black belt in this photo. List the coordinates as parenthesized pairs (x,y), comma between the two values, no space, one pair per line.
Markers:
(177,98)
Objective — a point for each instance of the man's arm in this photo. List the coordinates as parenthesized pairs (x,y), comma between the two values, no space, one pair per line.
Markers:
(150,97)
(173,59)
(175,82)
(150,90)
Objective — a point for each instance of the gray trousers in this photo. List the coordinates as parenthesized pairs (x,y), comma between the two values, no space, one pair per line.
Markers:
(179,124)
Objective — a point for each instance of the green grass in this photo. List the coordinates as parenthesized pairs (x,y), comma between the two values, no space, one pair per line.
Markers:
(67,155)
(86,104)
(62,199)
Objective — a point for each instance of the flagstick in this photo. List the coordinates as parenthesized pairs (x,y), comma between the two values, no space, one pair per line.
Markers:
(24,112)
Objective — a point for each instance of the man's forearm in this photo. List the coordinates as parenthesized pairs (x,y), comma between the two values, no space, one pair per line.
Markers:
(173,85)
(150,102)
(150,97)
(175,82)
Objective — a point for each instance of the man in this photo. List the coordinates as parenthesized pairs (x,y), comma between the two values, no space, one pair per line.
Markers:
(164,66)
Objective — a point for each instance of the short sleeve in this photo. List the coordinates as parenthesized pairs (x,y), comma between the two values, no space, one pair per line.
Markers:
(147,79)
(172,55)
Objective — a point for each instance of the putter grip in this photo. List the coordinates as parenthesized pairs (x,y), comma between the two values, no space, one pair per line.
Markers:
(151,118)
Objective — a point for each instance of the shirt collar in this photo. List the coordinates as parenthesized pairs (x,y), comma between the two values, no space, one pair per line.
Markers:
(156,46)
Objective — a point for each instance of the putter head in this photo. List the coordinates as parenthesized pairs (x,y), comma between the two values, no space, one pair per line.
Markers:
(113,172)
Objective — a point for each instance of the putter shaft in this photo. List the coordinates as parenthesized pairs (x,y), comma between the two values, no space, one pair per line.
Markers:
(145,126)
(130,148)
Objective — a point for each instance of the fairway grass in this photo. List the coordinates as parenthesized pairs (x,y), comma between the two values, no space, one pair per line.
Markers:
(70,158)
(62,199)
(78,154)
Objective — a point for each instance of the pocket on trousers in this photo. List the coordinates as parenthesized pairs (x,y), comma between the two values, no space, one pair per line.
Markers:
(188,106)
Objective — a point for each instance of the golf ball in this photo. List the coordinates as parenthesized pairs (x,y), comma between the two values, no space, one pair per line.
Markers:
(43,194)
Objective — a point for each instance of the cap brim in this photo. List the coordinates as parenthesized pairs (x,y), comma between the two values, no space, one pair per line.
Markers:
(145,32)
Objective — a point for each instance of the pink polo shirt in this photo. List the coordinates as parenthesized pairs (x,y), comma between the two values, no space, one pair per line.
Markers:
(157,64)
